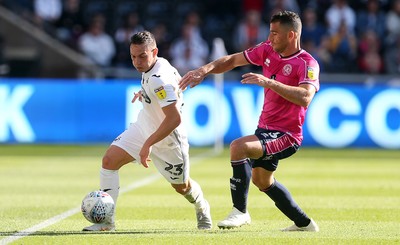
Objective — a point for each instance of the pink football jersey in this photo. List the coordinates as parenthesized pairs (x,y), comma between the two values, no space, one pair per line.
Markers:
(299,68)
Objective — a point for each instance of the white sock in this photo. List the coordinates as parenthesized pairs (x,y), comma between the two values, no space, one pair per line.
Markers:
(109,182)
(195,194)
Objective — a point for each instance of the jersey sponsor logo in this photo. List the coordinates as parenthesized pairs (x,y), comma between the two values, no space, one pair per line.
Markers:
(287,69)
(145,96)
(311,73)
(160,92)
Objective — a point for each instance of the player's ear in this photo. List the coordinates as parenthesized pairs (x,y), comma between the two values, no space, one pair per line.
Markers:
(155,51)
(292,35)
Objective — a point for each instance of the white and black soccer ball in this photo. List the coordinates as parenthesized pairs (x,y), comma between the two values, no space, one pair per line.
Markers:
(98,207)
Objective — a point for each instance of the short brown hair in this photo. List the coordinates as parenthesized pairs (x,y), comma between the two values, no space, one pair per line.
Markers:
(143,37)
(288,18)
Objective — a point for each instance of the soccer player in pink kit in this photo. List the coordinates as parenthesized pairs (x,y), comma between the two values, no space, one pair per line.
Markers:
(290,79)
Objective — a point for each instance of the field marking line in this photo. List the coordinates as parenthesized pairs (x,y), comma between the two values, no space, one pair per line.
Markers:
(134,185)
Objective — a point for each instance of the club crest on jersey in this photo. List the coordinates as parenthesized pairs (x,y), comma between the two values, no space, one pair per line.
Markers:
(311,72)
(267,62)
(160,92)
(287,69)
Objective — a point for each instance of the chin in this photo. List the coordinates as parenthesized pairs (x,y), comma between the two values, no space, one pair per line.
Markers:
(139,69)
(275,49)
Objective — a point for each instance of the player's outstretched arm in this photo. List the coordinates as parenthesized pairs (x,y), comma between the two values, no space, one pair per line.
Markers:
(191,79)
(223,64)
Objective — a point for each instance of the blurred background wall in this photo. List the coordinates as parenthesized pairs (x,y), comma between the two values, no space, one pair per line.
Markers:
(66,74)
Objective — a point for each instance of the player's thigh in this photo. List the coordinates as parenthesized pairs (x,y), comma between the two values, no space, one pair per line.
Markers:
(115,157)
(125,148)
(173,164)
(247,146)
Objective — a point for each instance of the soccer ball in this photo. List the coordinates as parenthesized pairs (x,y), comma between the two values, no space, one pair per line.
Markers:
(98,207)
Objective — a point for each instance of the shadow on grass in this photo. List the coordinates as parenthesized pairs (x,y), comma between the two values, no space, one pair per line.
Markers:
(118,232)
(71,233)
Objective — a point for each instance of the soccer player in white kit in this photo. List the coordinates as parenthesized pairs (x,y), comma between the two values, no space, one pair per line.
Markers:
(158,133)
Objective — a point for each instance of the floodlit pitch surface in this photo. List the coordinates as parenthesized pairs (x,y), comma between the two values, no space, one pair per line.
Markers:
(353,194)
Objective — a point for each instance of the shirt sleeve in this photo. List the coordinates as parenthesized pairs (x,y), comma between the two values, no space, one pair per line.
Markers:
(255,55)
(309,74)
(164,93)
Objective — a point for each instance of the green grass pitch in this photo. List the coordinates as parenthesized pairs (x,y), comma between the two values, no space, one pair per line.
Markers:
(353,194)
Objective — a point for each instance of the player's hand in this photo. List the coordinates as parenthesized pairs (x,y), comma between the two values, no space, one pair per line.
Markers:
(191,79)
(136,96)
(144,155)
(254,78)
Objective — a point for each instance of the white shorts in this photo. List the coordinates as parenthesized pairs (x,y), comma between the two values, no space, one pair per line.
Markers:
(172,162)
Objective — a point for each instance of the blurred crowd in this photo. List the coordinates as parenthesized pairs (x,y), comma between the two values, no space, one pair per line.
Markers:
(345,36)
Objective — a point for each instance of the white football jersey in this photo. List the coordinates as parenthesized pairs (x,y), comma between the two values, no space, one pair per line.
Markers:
(159,89)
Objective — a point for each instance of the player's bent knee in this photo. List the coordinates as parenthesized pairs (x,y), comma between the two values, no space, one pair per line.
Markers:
(108,163)
(261,184)
(237,149)
(235,145)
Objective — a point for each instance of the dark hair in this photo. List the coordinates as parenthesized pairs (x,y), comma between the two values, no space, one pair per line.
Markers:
(143,37)
(288,18)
